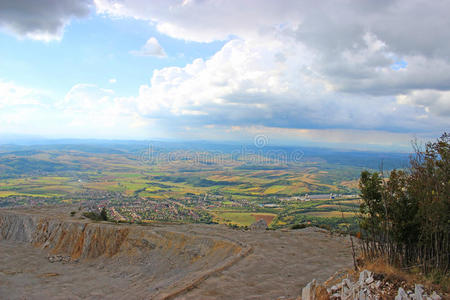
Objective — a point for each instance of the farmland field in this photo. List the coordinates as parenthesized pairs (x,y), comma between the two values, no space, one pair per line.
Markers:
(187,183)
(242,218)
(331,214)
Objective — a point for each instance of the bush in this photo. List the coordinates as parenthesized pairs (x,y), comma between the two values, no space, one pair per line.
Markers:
(102,216)
(299,226)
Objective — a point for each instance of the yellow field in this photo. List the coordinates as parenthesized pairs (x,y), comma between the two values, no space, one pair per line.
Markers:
(8,193)
(274,189)
(349,201)
(330,214)
(12,193)
(351,183)
(328,206)
(241,218)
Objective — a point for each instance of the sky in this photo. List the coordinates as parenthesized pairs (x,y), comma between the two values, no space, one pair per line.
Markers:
(349,74)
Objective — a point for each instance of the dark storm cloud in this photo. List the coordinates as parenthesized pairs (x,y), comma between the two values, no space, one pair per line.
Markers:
(40,19)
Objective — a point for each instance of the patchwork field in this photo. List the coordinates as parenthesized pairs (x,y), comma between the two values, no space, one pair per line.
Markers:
(174,183)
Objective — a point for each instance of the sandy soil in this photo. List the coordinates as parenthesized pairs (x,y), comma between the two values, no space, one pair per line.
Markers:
(26,273)
(281,264)
(278,265)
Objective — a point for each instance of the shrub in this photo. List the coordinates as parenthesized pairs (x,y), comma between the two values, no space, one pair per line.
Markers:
(102,216)
(299,226)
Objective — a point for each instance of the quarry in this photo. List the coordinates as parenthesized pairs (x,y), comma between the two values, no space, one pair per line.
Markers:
(51,254)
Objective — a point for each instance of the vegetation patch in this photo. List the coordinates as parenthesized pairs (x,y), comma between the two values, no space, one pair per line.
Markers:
(237,218)
(266,217)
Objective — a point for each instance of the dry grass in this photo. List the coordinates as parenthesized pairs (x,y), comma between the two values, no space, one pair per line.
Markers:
(388,273)
(406,277)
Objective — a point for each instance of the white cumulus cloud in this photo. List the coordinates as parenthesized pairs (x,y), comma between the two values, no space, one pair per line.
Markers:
(273,86)
(12,94)
(298,64)
(151,48)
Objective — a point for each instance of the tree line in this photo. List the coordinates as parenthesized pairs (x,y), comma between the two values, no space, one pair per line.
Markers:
(405,216)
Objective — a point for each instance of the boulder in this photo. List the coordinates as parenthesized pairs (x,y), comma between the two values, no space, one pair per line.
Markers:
(364,275)
(362,295)
(335,296)
(347,283)
(418,291)
(435,296)
(401,294)
(314,291)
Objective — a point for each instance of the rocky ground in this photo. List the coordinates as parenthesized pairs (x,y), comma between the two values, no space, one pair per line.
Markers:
(369,286)
(47,254)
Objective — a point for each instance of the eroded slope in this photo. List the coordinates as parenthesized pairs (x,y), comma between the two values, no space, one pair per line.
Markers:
(162,261)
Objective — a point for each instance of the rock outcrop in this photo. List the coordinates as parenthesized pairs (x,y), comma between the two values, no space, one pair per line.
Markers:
(314,291)
(366,288)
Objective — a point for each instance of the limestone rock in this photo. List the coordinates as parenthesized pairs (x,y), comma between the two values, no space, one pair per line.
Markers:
(401,294)
(418,291)
(369,280)
(335,296)
(346,283)
(435,296)
(366,288)
(314,291)
(364,275)
(308,291)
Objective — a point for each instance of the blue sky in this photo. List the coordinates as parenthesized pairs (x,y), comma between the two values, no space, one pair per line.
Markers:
(332,74)
(94,50)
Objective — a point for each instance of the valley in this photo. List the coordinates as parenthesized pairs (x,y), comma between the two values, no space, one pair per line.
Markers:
(191,183)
